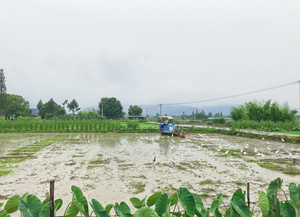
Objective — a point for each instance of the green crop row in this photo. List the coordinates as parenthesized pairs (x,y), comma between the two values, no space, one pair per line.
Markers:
(57,125)
(183,203)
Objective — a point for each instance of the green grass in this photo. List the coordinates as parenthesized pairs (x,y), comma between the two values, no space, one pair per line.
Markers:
(290,132)
(206,182)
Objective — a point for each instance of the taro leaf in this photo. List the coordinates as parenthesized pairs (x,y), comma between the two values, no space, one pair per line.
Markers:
(176,214)
(72,211)
(4,214)
(45,211)
(199,206)
(122,210)
(263,202)
(162,205)
(187,201)
(217,213)
(12,205)
(30,208)
(294,192)
(240,206)
(1,204)
(98,208)
(79,200)
(46,201)
(137,203)
(239,193)
(174,199)
(295,197)
(287,210)
(108,208)
(216,203)
(57,204)
(271,189)
(145,212)
(153,198)
(271,207)
(24,197)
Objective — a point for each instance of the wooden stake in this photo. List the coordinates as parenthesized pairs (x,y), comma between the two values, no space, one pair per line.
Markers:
(275,198)
(52,198)
(248,194)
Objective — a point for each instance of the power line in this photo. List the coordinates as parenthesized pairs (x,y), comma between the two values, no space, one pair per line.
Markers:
(228,97)
(232,96)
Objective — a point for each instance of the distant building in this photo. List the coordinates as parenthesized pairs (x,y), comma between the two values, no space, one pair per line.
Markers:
(134,117)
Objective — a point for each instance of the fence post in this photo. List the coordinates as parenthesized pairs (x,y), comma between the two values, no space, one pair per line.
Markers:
(52,198)
(248,194)
(275,198)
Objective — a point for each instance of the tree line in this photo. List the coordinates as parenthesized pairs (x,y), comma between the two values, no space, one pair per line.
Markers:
(13,106)
(258,111)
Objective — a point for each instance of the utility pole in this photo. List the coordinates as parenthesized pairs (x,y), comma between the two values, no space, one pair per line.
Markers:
(299,97)
(160,108)
(102,110)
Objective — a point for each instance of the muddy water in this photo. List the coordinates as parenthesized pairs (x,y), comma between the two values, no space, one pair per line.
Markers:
(114,167)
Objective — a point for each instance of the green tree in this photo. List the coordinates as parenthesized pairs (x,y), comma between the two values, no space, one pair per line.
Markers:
(40,104)
(239,113)
(256,111)
(135,110)
(2,93)
(73,106)
(93,114)
(201,115)
(51,109)
(112,108)
(16,106)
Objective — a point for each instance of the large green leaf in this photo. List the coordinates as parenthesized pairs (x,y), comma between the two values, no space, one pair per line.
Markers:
(72,211)
(199,206)
(45,211)
(145,212)
(30,208)
(4,214)
(12,204)
(153,198)
(108,208)
(240,206)
(271,189)
(294,192)
(1,204)
(263,202)
(216,203)
(122,210)
(239,193)
(187,201)
(98,208)
(24,197)
(79,200)
(174,199)
(271,207)
(137,203)
(287,210)
(162,205)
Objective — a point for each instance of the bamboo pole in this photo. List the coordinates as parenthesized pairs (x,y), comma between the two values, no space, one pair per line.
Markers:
(52,198)
(248,194)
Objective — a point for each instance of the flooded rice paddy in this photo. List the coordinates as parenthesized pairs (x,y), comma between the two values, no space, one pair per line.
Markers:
(114,167)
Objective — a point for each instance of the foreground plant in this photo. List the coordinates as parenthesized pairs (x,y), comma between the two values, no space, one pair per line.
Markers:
(181,204)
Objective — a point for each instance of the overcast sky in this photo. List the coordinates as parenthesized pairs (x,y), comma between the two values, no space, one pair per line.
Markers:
(150,52)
